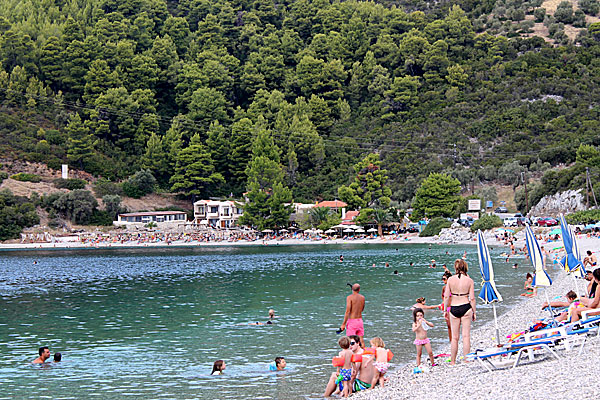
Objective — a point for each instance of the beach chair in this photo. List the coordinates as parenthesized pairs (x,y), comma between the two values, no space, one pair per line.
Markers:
(498,357)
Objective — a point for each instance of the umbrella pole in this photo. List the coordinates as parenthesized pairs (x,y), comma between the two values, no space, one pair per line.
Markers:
(550,307)
(496,323)
(576,285)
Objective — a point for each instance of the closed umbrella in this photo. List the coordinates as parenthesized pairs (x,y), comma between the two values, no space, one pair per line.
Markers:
(570,261)
(541,277)
(489,293)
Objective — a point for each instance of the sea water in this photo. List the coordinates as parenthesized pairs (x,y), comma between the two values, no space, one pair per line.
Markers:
(151,322)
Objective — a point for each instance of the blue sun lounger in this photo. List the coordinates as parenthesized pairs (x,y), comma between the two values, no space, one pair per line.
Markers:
(485,357)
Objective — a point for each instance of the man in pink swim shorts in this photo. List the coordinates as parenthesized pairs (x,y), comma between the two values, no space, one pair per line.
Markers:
(353,323)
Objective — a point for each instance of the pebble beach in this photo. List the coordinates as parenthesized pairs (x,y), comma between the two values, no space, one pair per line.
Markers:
(573,376)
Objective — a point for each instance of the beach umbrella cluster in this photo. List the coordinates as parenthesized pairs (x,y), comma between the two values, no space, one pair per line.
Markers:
(571,261)
(541,277)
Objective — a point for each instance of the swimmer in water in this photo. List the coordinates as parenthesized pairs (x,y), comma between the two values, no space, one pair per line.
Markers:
(341,257)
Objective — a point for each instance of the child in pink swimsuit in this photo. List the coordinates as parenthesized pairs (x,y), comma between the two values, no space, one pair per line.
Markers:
(419,327)
(381,361)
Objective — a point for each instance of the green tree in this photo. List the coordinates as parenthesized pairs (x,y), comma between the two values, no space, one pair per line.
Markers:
(195,174)
(369,186)
(155,159)
(16,213)
(112,205)
(80,145)
(438,196)
(140,184)
(318,215)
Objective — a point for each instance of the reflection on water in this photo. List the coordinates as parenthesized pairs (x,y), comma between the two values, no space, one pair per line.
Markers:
(152,322)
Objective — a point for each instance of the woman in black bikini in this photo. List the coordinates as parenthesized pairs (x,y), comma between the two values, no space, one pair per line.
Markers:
(459,303)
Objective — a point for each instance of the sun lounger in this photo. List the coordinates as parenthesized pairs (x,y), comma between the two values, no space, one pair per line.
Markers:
(487,360)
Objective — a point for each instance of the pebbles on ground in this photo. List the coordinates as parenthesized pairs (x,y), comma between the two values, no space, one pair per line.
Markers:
(573,376)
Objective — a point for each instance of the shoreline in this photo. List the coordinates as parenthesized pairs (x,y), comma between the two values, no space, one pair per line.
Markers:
(224,244)
(571,376)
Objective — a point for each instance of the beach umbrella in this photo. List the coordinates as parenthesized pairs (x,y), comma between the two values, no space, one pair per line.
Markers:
(360,230)
(489,293)
(349,230)
(570,261)
(330,231)
(541,277)
(267,231)
(372,230)
(555,231)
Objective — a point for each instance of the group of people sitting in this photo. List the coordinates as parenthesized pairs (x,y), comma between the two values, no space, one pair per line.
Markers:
(358,368)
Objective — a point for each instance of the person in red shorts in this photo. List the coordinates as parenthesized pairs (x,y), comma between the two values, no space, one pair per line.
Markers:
(353,323)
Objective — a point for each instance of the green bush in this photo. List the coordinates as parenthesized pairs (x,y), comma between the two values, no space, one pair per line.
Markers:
(3,176)
(486,222)
(104,187)
(100,217)
(584,217)
(435,226)
(25,177)
(77,205)
(71,184)
(140,184)
(16,213)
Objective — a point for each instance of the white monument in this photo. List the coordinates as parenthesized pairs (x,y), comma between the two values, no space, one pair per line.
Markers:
(65,171)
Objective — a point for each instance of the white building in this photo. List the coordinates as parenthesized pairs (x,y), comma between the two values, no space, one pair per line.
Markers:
(162,219)
(216,213)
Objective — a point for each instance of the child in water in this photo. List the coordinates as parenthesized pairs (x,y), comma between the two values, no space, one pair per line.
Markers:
(420,327)
(381,361)
(530,291)
(345,371)
(218,367)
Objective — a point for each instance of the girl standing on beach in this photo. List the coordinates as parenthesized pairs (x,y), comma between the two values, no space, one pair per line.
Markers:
(459,303)
(381,361)
(420,327)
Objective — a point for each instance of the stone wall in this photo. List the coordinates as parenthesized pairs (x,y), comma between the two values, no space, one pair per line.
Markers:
(559,203)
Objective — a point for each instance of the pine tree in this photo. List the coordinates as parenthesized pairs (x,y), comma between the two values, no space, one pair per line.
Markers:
(195,172)
(80,147)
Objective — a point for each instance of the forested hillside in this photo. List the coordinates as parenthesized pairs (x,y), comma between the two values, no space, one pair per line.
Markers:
(184,89)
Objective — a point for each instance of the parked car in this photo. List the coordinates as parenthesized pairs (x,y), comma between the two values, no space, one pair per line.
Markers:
(466,222)
(510,221)
(413,227)
(546,221)
(501,210)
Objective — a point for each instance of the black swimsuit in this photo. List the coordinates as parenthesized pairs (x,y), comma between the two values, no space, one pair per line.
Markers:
(460,311)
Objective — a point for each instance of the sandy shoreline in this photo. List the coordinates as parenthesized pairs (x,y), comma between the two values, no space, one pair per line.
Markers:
(573,376)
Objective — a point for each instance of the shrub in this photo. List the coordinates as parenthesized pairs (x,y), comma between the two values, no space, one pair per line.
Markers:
(539,14)
(25,177)
(590,7)
(100,217)
(104,187)
(3,176)
(140,184)
(584,217)
(564,12)
(71,184)
(112,205)
(435,226)
(16,213)
(77,205)
(486,222)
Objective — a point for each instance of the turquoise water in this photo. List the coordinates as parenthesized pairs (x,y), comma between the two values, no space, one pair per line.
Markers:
(151,322)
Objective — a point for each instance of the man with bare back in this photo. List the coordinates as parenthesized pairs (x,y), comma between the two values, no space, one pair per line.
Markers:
(353,323)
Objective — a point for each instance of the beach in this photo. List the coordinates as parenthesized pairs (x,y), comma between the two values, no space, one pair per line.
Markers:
(573,376)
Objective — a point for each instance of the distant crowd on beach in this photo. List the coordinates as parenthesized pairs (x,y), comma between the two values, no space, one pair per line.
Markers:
(93,239)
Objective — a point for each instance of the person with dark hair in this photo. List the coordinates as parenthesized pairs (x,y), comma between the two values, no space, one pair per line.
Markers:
(593,304)
(590,260)
(420,327)
(278,365)
(218,367)
(530,291)
(446,317)
(459,304)
(57,357)
(362,371)
(44,353)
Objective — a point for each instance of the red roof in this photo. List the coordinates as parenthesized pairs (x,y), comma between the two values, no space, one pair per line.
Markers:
(151,213)
(332,204)
(350,215)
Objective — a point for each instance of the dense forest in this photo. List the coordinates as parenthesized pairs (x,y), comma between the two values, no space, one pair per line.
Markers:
(211,95)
